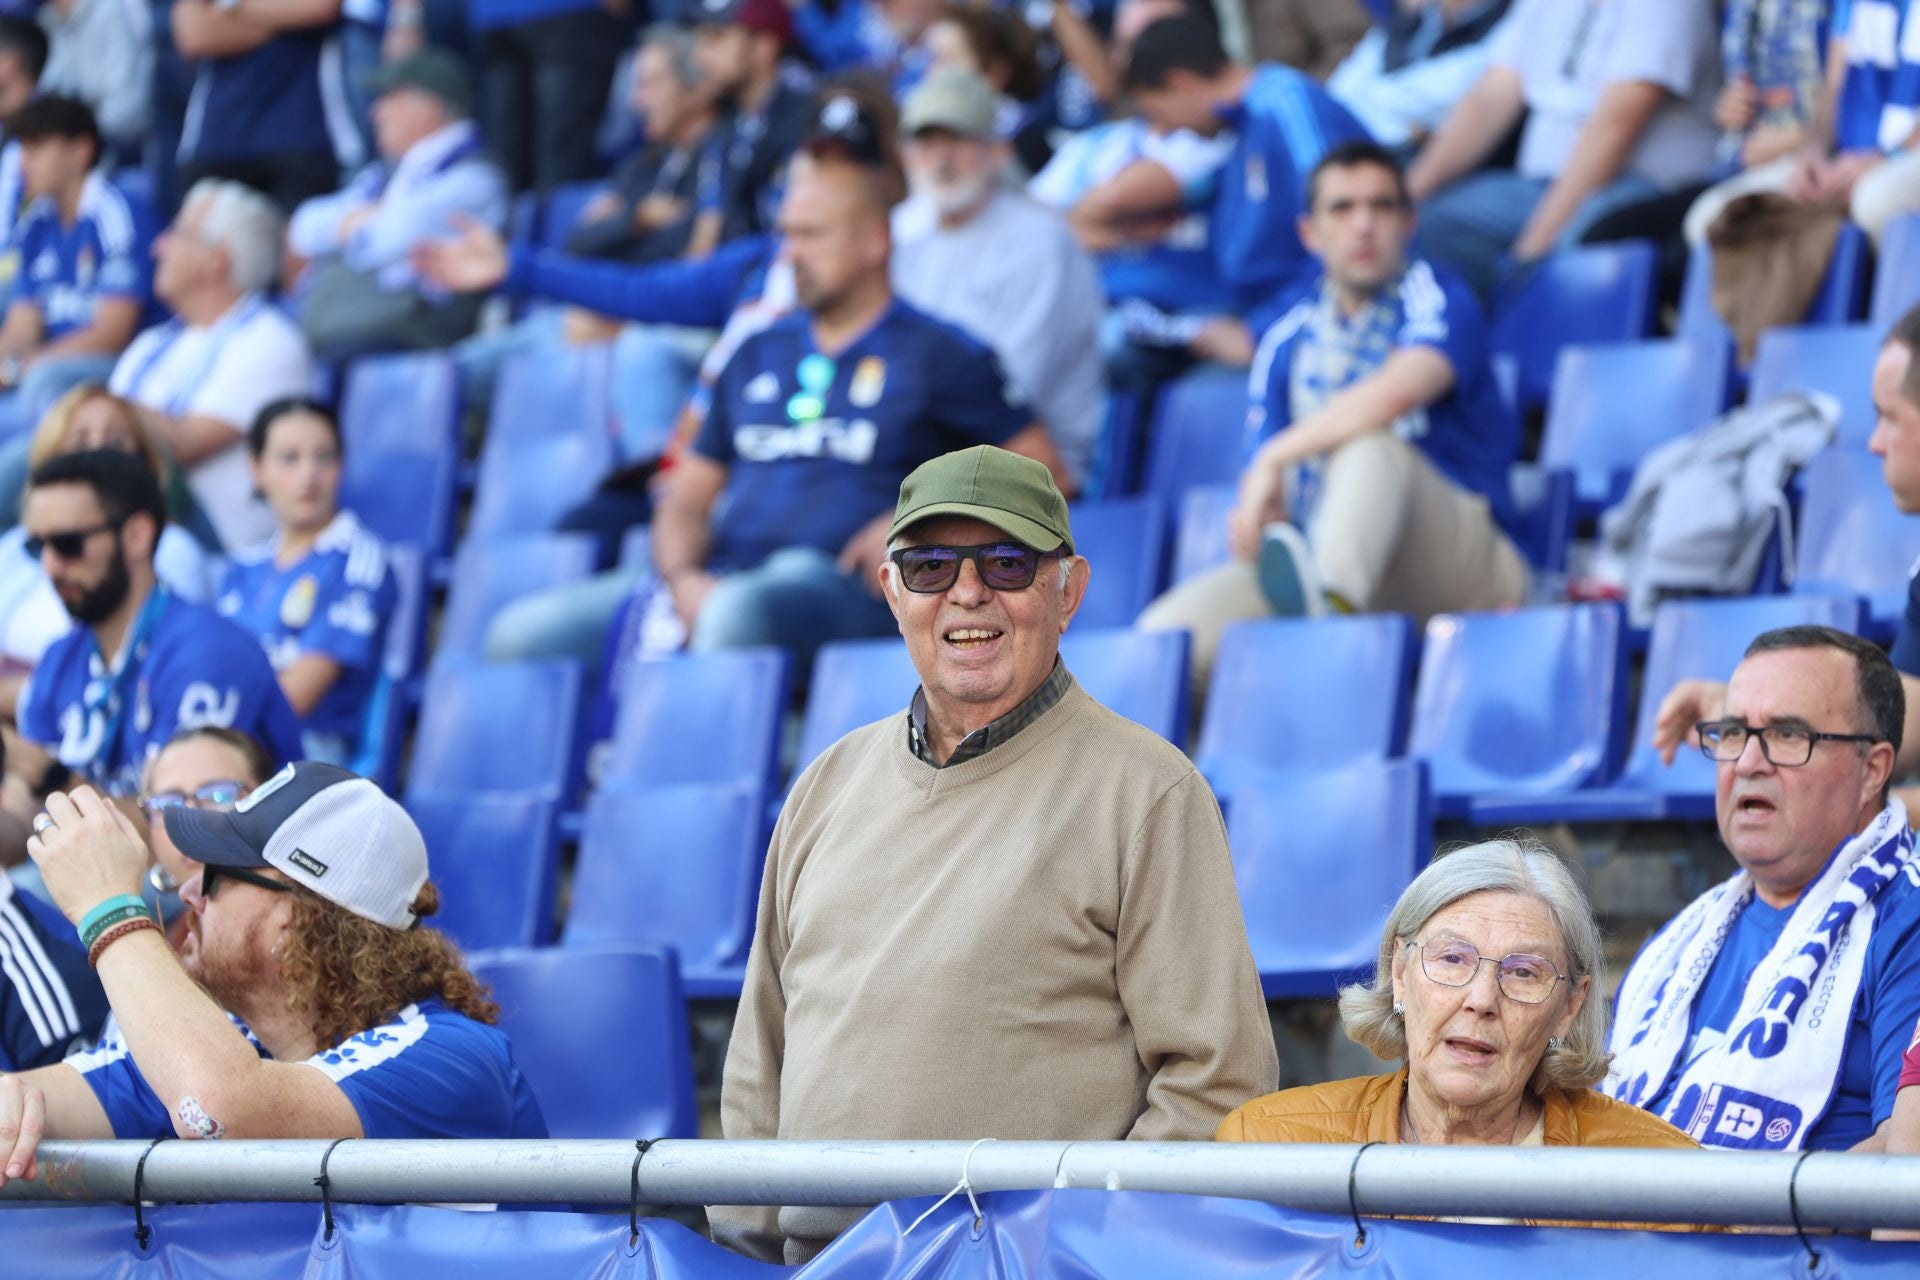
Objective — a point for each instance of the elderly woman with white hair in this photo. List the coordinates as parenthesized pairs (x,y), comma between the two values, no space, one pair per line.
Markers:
(1489,990)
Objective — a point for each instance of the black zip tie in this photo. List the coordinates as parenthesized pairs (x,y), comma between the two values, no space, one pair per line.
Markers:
(326,1191)
(1793,1207)
(142,1231)
(640,1148)
(1353,1196)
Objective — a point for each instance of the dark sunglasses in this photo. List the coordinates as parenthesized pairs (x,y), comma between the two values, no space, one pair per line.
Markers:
(211,876)
(70,545)
(217,796)
(1003,566)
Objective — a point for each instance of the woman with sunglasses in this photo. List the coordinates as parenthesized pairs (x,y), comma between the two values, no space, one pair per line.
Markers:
(319,594)
(1489,991)
(205,768)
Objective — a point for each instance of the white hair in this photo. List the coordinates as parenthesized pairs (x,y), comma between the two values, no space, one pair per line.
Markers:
(244,223)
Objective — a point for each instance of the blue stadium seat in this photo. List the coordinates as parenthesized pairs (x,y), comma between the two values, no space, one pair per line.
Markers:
(383,725)
(1543,510)
(1126,542)
(601,1037)
(700,718)
(1200,543)
(1529,703)
(497,727)
(1615,403)
(1852,539)
(1837,359)
(400,422)
(495,861)
(673,867)
(636,547)
(526,486)
(1842,292)
(1304,693)
(488,576)
(561,209)
(855,682)
(1595,293)
(1320,857)
(1691,640)
(1142,675)
(556,391)
(1896,272)
(1198,432)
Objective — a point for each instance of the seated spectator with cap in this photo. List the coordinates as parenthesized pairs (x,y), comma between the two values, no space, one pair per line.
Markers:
(995,263)
(1375,423)
(740,47)
(200,378)
(141,663)
(360,293)
(85,265)
(305,928)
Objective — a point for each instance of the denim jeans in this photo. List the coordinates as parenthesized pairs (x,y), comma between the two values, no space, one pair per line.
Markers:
(1471,225)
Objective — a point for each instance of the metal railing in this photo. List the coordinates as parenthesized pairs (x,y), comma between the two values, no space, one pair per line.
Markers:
(1832,1189)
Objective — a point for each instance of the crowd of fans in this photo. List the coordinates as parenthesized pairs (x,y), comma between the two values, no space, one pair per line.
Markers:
(874,267)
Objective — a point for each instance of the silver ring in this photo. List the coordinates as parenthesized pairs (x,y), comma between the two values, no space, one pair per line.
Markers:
(41,821)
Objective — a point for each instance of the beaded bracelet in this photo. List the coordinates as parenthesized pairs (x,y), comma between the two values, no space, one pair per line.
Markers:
(100,923)
(116,933)
(100,909)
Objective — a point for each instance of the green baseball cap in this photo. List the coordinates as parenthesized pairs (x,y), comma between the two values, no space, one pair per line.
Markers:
(1015,495)
(434,70)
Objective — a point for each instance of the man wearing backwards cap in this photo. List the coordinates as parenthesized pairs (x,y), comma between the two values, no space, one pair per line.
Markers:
(739,46)
(1007,912)
(305,928)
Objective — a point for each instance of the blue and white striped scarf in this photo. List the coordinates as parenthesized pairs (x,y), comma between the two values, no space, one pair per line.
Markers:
(1774,1074)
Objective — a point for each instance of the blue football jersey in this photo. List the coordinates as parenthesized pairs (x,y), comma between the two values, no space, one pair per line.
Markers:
(49,997)
(334,601)
(1879,101)
(66,271)
(817,446)
(183,666)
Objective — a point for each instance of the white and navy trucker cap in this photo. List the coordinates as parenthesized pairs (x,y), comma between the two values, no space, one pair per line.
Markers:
(327,830)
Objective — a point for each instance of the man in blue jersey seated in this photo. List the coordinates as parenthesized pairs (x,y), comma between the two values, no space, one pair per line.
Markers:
(141,664)
(1374,425)
(307,1001)
(86,269)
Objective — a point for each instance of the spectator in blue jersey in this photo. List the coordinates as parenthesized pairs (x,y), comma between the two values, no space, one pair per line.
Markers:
(547,66)
(740,47)
(1284,123)
(200,378)
(1855,144)
(23,59)
(85,262)
(1409,71)
(1616,98)
(319,595)
(142,663)
(306,929)
(269,104)
(1374,425)
(359,293)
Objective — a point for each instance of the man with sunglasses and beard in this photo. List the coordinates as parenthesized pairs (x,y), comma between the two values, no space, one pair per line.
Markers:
(142,664)
(1007,912)
(306,927)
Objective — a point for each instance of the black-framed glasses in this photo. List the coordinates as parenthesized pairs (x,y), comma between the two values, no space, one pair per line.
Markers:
(1003,566)
(211,876)
(1523,978)
(220,797)
(1787,745)
(70,544)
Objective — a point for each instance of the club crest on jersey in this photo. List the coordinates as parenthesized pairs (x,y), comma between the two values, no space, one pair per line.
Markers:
(869,381)
(296,607)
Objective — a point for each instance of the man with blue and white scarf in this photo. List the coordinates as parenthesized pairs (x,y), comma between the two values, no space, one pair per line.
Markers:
(1771,1013)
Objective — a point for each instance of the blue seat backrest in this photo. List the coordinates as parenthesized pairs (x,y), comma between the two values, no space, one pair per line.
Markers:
(710,717)
(1839,301)
(553,391)
(400,421)
(1201,540)
(602,1038)
(1896,272)
(526,486)
(1837,359)
(1125,541)
(497,726)
(1293,693)
(1141,675)
(1595,293)
(1197,434)
(488,576)
(495,863)
(855,682)
(1614,403)
(1853,540)
(561,210)
(1543,514)
(1529,702)
(671,866)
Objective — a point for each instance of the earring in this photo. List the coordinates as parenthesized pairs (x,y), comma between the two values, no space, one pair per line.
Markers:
(1399,1010)
(1553,1043)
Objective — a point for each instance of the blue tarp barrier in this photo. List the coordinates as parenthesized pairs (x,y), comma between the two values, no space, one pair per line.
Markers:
(1059,1235)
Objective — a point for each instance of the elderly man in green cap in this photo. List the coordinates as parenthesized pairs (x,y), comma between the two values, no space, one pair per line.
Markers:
(1006,913)
(433,176)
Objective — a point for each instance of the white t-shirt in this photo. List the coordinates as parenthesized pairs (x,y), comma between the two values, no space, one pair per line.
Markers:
(230,370)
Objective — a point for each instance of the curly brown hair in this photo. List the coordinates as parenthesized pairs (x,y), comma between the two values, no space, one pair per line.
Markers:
(345,973)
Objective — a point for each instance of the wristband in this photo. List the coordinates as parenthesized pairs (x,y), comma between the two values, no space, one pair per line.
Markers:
(112,920)
(116,902)
(117,932)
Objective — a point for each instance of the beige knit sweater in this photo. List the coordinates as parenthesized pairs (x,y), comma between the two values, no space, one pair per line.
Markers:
(1042,943)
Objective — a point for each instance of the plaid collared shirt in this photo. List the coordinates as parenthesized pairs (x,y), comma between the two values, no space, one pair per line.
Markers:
(987,737)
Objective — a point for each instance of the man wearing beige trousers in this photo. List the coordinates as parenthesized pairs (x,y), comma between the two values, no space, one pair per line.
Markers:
(1375,422)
